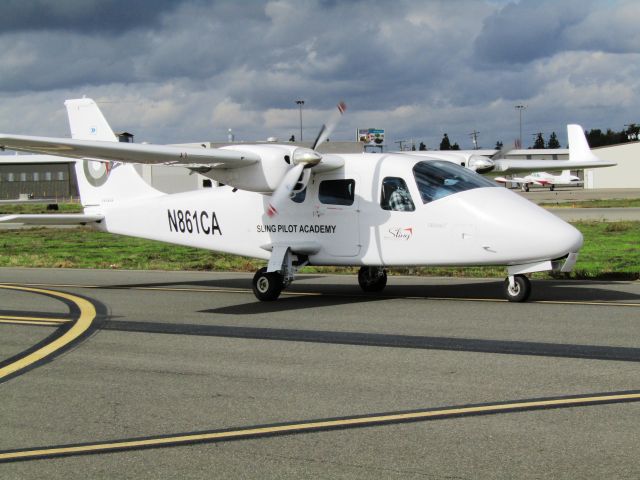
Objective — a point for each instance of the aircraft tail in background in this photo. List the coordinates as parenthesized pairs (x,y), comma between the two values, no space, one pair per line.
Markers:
(579,150)
(87,122)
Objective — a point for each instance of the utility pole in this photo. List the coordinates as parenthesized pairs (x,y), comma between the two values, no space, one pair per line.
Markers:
(400,142)
(474,138)
(300,104)
(520,108)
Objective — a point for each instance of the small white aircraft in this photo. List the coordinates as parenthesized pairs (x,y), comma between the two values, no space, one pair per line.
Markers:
(542,179)
(293,207)
(493,162)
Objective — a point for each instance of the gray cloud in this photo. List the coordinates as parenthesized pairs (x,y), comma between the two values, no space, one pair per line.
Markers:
(82,15)
(182,71)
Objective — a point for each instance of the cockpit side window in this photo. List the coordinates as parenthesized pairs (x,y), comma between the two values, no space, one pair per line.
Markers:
(337,192)
(437,179)
(395,195)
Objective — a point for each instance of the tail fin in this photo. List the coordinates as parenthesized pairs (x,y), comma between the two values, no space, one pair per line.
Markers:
(87,122)
(102,183)
(579,150)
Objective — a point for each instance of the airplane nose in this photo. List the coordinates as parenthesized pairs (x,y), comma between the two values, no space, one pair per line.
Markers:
(514,230)
(548,236)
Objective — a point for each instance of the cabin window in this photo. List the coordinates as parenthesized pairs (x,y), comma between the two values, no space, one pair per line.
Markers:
(337,192)
(437,179)
(395,195)
(299,196)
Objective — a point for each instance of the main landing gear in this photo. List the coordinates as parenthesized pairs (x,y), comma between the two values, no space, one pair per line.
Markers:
(517,288)
(269,281)
(267,285)
(372,279)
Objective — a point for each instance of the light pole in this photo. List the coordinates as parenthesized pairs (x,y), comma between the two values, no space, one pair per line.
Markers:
(300,104)
(520,108)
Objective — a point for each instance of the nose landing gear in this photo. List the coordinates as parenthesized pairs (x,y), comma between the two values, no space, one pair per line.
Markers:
(517,288)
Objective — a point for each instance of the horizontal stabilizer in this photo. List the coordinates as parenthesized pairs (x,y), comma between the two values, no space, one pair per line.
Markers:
(52,219)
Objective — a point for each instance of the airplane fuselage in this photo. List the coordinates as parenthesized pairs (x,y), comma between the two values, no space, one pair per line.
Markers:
(342,221)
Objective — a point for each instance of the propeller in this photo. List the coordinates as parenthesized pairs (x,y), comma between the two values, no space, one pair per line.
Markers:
(284,189)
(327,129)
(302,158)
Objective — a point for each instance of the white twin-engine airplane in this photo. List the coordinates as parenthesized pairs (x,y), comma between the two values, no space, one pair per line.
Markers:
(543,179)
(293,207)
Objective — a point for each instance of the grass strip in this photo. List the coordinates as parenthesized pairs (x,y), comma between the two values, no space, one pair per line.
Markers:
(613,203)
(611,251)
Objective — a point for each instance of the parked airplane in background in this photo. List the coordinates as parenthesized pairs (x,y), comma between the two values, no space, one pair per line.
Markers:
(542,179)
(293,207)
(492,162)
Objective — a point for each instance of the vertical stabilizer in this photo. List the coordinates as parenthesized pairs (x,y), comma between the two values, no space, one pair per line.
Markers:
(579,150)
(103,184)
(87,122)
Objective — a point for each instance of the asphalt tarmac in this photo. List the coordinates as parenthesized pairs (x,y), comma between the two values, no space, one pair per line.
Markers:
(121,374)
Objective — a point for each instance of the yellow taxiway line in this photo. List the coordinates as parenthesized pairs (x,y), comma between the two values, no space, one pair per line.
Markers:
(319,425)
(81,325)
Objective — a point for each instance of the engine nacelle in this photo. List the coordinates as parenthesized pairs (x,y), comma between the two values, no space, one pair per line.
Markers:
(263,176)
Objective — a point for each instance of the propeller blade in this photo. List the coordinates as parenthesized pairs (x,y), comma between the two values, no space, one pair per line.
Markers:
(284,189)
(328,128)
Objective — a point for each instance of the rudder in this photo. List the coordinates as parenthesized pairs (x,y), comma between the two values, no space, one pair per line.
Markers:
(87,122)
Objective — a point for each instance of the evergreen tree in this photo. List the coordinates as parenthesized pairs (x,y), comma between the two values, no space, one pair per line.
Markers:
(539,143)
(553,141)
(455,146)
(499,145)
(422,146)
(445,144)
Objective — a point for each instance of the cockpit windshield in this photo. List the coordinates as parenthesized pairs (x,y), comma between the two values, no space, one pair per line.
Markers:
(437,179)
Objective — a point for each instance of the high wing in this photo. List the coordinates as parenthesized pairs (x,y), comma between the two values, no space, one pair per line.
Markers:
(128,152)
(580,156)
(521,166)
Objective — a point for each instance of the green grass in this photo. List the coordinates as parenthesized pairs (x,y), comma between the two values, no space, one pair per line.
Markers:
(613,203)
(35,208)
(611,250)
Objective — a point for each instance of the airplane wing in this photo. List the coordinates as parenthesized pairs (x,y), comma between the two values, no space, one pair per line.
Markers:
(129,152)
(580,156)
(522,166)
(51,219)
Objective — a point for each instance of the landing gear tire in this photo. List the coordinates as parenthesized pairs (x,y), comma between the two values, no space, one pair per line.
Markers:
(267,285)
(552,188)
(372,279)
(520,291)
(525,187)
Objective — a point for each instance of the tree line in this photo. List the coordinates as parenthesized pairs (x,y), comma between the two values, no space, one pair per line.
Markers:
(595,137)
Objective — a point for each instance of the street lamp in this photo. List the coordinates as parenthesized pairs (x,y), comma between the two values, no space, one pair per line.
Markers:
(300,104)
(520,108)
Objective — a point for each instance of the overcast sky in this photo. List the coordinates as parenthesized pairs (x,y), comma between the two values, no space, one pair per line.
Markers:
(182,71)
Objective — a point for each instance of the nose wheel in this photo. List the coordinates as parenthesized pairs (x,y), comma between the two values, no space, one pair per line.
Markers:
(517,288)
(267,285)
(372,279)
